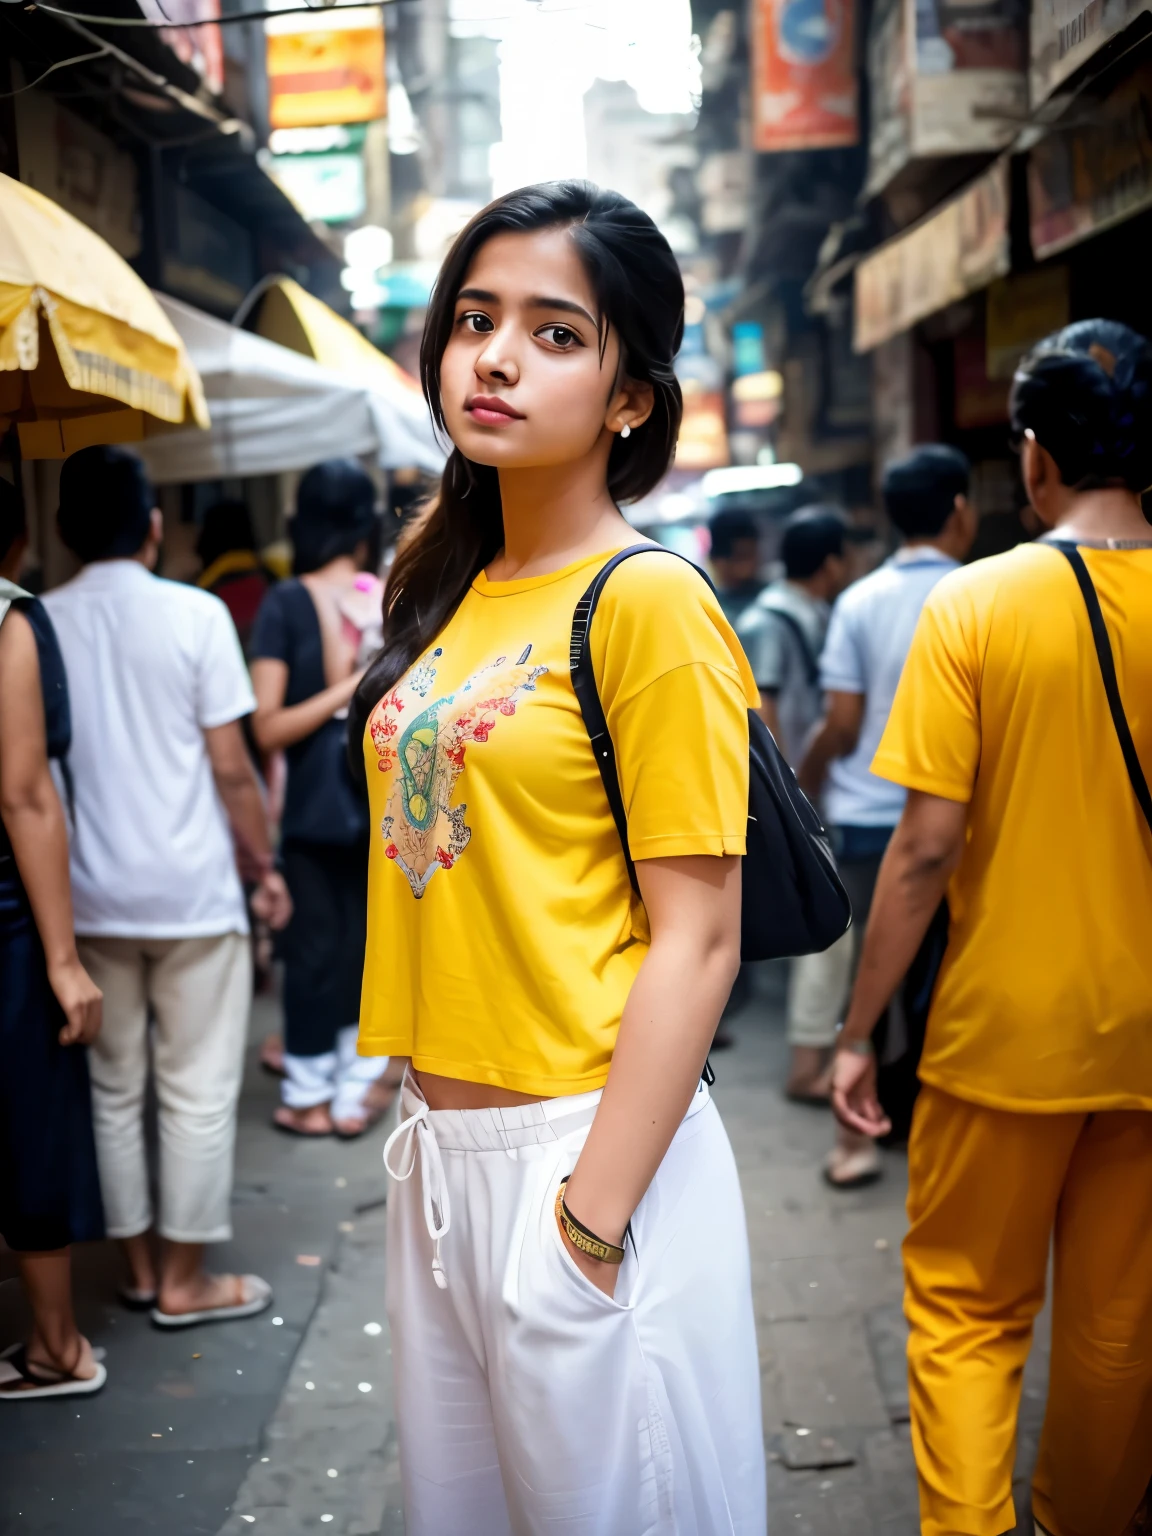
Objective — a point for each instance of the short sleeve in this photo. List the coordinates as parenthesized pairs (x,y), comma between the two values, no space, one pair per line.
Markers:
(842,659)
(762,637)
(271,639)
(223,688)
(676,688)
(932,740)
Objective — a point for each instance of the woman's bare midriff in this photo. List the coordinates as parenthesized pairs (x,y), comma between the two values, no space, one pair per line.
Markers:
(455,1093)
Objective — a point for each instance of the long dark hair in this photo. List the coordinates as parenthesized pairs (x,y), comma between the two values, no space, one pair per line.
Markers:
(1086,394)
(640,294)
(335,514)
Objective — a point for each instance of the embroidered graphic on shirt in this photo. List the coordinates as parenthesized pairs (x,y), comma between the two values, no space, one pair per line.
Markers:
(423,831)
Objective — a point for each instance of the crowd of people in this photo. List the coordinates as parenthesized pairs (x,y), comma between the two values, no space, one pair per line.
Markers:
(128,932)
(541,914)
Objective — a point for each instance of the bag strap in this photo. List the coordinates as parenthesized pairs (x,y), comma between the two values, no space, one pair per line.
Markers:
(792,624)
(1108,672)
(588,696)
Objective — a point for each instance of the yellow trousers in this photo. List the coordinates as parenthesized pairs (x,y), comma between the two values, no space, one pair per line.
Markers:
(990,1191)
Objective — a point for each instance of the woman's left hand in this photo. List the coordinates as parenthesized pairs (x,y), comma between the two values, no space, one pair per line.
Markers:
(602,1276)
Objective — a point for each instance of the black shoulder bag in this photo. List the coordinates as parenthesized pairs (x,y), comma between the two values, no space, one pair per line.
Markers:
(794,902)
(1108,672)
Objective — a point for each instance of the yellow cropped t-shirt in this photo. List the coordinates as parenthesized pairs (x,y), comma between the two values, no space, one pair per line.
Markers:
(503,931)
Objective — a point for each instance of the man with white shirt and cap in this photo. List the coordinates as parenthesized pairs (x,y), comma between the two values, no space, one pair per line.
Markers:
(165,798)
(926,498)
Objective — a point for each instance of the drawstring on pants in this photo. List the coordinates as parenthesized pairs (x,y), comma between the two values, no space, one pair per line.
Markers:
(420,1137)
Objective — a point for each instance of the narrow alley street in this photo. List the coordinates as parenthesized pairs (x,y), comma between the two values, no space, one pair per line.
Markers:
(284,1424)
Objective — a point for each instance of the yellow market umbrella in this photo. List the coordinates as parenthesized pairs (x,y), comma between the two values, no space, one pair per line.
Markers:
(86,353)
(295,318)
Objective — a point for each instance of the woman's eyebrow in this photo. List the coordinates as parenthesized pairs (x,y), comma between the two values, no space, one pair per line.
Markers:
(537,301)
(566,305)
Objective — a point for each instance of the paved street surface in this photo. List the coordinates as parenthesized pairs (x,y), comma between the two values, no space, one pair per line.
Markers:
(283,1424)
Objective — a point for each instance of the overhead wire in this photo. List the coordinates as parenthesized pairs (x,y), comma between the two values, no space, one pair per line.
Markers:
(149,24)
(80,58)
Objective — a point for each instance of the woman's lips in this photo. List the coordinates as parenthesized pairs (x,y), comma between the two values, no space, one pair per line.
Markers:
(492,412)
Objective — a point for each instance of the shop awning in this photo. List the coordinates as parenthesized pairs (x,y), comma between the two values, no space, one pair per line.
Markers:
(87,355)
(957,249)
(273,410)
(291,316)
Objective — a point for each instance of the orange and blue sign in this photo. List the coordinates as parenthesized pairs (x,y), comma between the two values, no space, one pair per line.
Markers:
(804,88)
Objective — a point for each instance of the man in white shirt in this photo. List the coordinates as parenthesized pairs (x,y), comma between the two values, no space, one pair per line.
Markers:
(162,783)
(926,498)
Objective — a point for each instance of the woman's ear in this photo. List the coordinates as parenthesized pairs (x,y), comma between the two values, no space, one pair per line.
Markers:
(630,406)
(1042,482)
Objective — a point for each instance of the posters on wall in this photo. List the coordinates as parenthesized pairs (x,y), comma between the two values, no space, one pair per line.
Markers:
(957,250)
(1020,310)
(1067,32)
(1096,174)
(78,167)
(325,67)
(947,78)
(804,75)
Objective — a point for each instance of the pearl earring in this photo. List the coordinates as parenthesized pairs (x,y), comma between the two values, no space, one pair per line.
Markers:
(625,430)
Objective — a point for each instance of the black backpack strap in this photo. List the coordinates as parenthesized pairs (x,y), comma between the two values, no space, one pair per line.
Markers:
(588,695)
(792,624)
(1108,672)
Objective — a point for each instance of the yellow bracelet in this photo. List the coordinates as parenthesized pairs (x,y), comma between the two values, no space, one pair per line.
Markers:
(580,1237)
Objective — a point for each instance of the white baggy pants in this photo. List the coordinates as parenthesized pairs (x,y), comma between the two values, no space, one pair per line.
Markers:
(528,1402)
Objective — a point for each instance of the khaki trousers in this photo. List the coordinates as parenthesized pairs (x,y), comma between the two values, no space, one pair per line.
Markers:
(990,1192)
(199,992)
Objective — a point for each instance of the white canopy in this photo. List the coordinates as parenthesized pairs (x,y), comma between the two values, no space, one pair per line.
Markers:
(274,410)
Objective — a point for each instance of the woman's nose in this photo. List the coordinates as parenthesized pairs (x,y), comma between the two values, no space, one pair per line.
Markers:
(497,362)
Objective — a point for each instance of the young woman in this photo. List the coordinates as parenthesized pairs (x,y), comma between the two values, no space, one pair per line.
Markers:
(1033,1129)
(49,1005)
(308,652)
(557,1023)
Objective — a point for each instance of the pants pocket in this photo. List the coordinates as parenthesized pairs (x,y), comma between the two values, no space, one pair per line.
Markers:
(571,1276)
(579,1400)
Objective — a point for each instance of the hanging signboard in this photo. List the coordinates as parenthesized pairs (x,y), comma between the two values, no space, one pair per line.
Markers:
(325,187)
(947,77)
(1087,178)
(804,87)
(1067,32)
(325,67)
(957,250)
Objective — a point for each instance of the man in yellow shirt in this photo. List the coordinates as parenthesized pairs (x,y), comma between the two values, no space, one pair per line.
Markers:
(1034,1125)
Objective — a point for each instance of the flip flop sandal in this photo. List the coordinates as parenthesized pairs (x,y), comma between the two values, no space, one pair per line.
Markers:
(136,1301)
(292,1130)
(869,1171)
(373,1117)
(809,1100)
(20,1379)
(261,1298)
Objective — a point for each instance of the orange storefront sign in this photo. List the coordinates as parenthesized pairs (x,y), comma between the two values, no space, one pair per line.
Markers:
(804,88)
(325,69)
